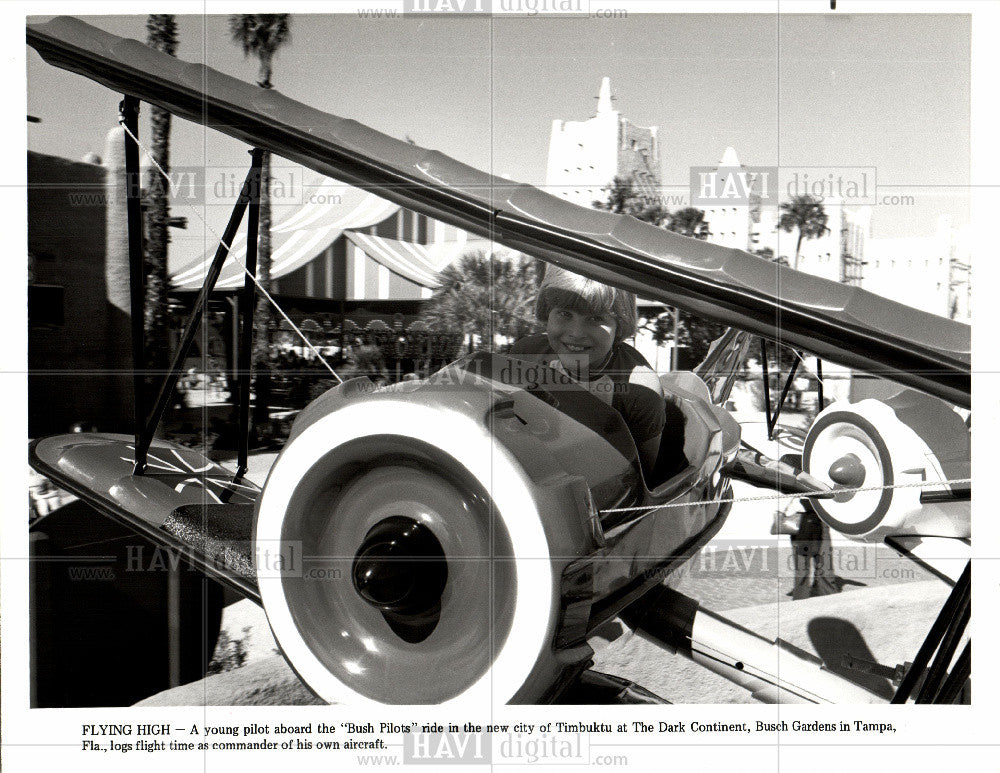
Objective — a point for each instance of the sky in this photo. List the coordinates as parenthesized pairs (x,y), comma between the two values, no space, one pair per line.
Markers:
(884,91)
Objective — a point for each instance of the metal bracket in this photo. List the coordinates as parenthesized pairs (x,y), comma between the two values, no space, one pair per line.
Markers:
(894,674)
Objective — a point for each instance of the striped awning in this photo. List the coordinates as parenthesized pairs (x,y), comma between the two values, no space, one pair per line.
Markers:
(384,269)
(297,237)
(420,263)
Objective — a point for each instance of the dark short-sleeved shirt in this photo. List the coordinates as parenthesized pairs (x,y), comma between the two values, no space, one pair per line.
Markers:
(627,383)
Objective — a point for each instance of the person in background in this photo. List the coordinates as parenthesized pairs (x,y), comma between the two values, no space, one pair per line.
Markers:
(813,555)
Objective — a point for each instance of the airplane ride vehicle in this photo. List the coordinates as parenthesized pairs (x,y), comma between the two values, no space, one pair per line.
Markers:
(486,520)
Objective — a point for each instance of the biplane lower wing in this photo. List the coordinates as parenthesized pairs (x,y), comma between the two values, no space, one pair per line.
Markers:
(184,502)
(832,320)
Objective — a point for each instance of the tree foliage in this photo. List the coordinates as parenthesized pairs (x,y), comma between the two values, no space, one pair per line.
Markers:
(804,214)
(230,653)
(689,221)
(161,34)
(483,294)
(694,334)
(261,35)
(624,199)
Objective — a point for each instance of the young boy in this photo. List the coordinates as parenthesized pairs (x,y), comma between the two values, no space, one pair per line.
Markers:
(586,323)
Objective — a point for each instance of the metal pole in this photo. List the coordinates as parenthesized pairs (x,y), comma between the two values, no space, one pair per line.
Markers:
(959,675)
(767,387)
(174,626)
(674,352)
(946,618)
(234,337)
(819,378)
(129,117)
(244,357)
(190,332)
(784,392)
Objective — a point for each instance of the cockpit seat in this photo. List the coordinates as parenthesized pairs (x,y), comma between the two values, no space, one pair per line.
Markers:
(684,435)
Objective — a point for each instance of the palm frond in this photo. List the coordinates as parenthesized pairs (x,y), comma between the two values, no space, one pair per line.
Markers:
(259,33)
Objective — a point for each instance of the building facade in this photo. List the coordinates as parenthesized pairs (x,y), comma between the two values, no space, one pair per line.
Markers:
(932,273)
(585,156)
(928,272)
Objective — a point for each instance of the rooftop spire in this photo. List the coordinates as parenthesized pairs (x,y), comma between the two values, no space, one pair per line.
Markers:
(729,158)
(604,98)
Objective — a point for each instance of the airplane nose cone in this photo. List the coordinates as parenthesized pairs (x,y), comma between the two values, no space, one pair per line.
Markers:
(400,567)
(381,578)
(848,471)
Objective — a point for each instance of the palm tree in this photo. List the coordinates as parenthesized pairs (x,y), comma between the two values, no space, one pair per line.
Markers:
(262,35)
(624,199)
(482,294)
(161,34)
(689,222)
(806,214)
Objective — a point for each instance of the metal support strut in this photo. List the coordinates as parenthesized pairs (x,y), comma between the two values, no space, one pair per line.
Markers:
(943,638)
(128,110)
(144,432)
(772,419)
(244,357)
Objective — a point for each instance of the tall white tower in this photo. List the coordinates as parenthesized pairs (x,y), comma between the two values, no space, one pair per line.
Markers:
(730,222)
(585,156)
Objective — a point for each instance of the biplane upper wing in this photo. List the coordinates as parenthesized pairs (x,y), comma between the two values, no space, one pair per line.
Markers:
(835,321)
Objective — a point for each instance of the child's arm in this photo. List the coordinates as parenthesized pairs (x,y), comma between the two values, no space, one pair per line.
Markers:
(651,415)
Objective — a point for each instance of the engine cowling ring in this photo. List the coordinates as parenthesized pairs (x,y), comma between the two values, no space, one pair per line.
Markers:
(867,443)
(457,460)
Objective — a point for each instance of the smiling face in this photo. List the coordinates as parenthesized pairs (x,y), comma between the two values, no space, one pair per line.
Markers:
(580,337)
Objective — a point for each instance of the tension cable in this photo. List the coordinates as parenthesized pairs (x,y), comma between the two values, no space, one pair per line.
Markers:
(239,262)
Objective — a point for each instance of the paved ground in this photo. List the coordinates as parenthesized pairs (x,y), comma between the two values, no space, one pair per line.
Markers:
(884,625)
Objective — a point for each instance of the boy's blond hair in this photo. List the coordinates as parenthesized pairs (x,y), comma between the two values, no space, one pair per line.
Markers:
(565,290)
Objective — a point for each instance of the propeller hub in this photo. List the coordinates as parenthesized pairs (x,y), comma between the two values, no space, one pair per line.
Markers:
(400,567)
(848,471)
